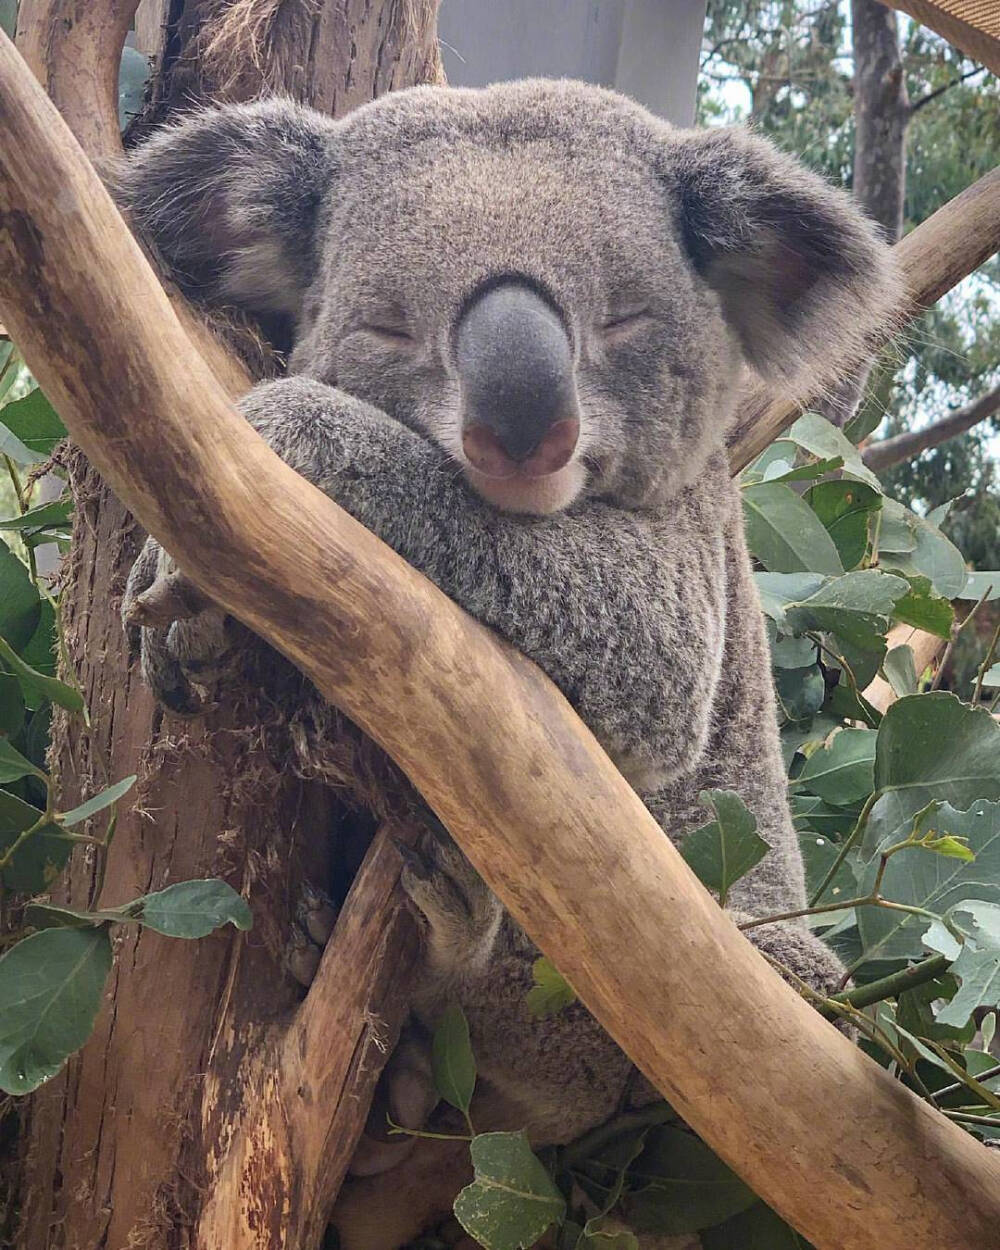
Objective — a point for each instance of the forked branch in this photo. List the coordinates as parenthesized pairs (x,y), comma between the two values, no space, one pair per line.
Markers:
(569,848)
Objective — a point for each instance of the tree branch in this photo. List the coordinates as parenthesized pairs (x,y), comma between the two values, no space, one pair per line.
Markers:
(889,451)
(924,100)
(570,848)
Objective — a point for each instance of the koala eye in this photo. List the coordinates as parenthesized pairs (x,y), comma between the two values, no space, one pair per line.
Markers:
(624,319)
(389,332)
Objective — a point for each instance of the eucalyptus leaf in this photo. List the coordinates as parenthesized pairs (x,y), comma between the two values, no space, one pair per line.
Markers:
(800,692)
(51,985)
(978,965)
(11,706)
(723,851)
(857,607)
(35,422)
(48,687)
(784,533)
(778,591)
(843,772)
(453,1063)
(46,515)
(98,803)
(677,1185)
(41,858)
(932,881)
(923,608)
(757,1228)
(512,1199)
(11,445)
(192,909)
(847,510)
(978,584)
(19,601)
(8,17)
(934,556)
(822,438)
(900,670)
(13,765)
(931,746)
(551,991)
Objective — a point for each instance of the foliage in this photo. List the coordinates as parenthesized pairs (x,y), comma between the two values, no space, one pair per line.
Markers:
(55,959)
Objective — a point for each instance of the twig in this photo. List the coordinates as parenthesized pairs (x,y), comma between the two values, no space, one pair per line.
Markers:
(984,667)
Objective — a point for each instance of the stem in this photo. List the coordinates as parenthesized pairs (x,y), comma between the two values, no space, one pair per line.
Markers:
(963,1117)
(958,1086)
(848,845)
(22,508)
(984,667)
(894,984)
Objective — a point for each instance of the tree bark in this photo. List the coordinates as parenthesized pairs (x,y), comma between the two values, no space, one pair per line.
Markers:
(881,115)
(120,1148)
(568,847)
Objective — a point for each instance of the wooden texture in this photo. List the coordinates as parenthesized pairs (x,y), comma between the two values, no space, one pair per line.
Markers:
(972,25)
(939,253)
(925,647)
(825,1135)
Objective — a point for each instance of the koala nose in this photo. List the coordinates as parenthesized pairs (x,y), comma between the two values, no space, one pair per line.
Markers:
(515,366)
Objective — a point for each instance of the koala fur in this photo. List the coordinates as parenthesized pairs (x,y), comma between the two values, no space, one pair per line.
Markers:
(674,262)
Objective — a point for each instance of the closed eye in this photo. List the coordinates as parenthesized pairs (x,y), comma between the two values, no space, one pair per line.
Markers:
(625,319)
(389,333)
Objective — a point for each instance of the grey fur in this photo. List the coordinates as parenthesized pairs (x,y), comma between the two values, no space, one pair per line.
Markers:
(676,260)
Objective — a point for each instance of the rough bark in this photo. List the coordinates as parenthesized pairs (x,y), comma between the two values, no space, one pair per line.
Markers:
(119,1149)
(889,451)
(881,114)
(568,847)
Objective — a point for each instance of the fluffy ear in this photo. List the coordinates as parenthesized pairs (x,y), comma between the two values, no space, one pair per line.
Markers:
(803,276)
(230,198)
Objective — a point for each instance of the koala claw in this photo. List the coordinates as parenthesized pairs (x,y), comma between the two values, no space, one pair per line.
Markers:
(461,914)
(314,920)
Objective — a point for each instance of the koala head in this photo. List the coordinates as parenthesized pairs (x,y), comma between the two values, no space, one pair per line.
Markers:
(556,287)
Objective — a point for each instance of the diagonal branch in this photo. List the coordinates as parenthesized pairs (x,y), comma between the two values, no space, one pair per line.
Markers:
(569,849)
(889,451)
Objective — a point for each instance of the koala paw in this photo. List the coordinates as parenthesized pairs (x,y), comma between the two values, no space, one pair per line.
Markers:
(461,914)
(184,641)
(796,948)
(315,917)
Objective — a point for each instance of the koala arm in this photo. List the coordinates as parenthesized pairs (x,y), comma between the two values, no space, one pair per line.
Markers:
(624,613)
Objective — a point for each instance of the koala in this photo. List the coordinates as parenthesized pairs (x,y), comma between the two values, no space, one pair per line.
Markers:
(519,323)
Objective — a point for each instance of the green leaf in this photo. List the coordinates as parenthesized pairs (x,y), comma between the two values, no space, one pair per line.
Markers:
(98,803)
(978,583)
(13,765)
(800,692)
(804,472)
(784,533)
(11,445)
(133,74)
(11,706)
(35,422)
(191,909)
(900,671)
(677,1185)
(551,991)
(757,1228)
(897,531)
(846,509)
(931,746)
(48,687)
(19,602)
(45,516)
(934,556)
(50,990)
(50,916)
(843,772)
(512,1199)
(8,17)
(978,964)
(779,590)
(924,609)
(453,1063)
(594,1237)
(41,858)
(793,653)
(935,882)
(818,856)
(950,847)
(991,678)
(725,849)
(817,435)
(856,607)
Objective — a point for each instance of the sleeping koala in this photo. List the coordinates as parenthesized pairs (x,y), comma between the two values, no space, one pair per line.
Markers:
(520,320)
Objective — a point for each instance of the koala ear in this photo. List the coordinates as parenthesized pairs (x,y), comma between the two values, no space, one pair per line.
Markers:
(230,198)
(803,276)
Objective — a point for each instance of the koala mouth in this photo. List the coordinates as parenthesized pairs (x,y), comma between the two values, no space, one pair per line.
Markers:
(543,481)
(534,496)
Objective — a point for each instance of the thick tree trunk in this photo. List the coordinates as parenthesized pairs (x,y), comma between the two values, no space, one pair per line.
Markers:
(120,1148)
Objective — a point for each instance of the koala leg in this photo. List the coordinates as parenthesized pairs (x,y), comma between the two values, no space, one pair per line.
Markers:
(184,641)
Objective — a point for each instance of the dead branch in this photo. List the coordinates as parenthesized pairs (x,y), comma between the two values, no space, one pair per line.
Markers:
(889,451)
(570,849)
(939,253)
